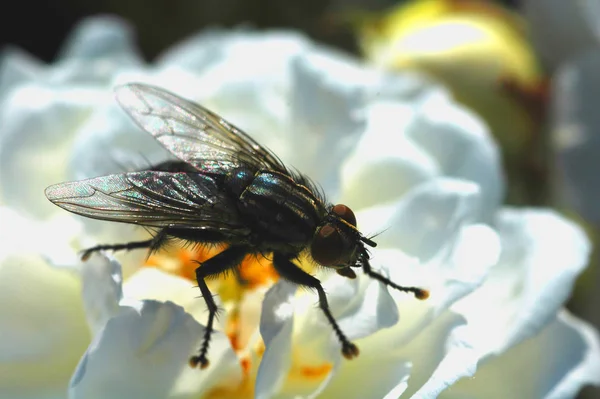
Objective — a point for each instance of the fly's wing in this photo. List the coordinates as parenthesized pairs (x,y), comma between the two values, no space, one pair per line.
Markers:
(151,198)
(193,133)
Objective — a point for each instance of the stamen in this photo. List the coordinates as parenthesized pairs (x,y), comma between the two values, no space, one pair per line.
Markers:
(316,372)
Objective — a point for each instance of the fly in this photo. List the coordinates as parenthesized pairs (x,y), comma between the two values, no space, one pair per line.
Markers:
(223,188)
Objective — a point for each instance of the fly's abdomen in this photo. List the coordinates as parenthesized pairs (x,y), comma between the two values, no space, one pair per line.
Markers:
(280,209)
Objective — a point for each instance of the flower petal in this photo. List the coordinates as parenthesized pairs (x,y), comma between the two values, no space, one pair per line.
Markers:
(356,379)
(102,290)
(36,124)
(384,165)
(151,342)
(17,67)
(97,49)
(360,307)
(251,48)
(99,37)
(276,324)
(427,218)
(436,358)
(41,316)
(461,145)
(328,95)
(150,283)
(254,98)
(121,143)
(542,254)
(536,372)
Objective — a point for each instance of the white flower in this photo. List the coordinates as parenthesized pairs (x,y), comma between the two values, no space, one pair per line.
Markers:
(414,167)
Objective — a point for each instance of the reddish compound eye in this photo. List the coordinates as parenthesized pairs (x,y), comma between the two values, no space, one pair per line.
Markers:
(329,248)
(345,213)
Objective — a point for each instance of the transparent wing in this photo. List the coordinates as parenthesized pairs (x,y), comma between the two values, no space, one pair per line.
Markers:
(150,198)
(191,132)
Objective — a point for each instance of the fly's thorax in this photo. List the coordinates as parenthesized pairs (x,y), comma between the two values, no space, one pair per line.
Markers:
(336,241)
(238,179)
(280,210)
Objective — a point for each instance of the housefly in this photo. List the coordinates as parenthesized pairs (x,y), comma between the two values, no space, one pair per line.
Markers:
(223,188)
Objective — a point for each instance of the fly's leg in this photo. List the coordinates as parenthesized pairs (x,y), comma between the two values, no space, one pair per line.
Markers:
(152,243)
(288,270)
(228,259)
(418,292)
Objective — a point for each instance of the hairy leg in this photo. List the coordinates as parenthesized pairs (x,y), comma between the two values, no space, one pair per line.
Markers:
(288,270)
(418,292)
(228,259)
(153,243)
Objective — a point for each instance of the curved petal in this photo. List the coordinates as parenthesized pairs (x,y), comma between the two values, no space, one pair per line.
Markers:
(99,37)
(327,96)
(276,324)
(369,376)
(102,290)
(17,67)
(109,142)
(542,255)
(255,98)
(384,165)
(150,283)
(426,219)
(536,372)
(42,321)
(262,54)
(97,48)
(420,339)
(417,358)
(151,342)
(461,145)
(36,124)
(360,307)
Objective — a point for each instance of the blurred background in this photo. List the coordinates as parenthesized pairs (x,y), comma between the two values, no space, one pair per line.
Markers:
(543,118)
(41,26)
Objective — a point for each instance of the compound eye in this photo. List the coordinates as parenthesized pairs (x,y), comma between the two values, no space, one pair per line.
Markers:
(329,248)
(345,213)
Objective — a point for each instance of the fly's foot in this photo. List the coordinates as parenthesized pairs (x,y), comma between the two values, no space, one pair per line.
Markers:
(199,360)
(349,350)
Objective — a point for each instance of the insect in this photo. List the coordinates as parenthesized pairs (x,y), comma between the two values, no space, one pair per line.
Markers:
(223,188)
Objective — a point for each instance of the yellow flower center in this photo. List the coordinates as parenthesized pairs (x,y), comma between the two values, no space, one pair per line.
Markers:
(256,273)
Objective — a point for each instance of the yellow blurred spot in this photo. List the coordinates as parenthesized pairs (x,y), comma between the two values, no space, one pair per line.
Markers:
(260,349)
(469,46)
(256,271)
(316,372)
(182,262)
(246,364)
(479,50)
(243,390)
(232,329)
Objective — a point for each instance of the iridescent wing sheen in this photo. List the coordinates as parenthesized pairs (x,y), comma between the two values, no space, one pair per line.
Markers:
(193,133)
(151,198)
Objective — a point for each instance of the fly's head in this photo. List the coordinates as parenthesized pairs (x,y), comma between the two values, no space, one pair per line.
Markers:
(338,244)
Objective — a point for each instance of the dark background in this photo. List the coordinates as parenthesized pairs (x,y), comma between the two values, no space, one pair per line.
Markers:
(40,26)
